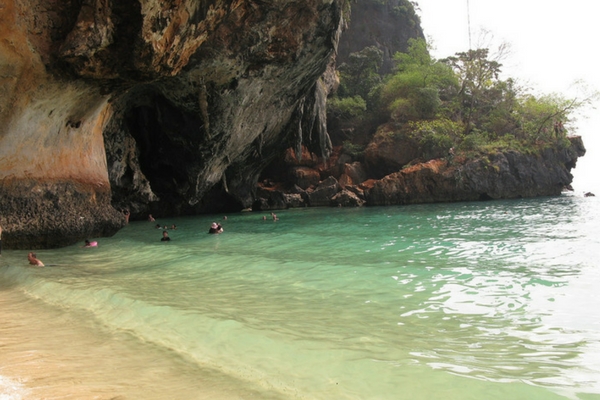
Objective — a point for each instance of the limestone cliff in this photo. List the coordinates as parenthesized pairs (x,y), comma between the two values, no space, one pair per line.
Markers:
(376,161)
(387,25)
(161,106)
(175,107)
(501,175)
(401,176)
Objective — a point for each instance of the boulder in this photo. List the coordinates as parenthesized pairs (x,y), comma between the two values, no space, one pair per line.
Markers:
(322,194)
(304,177)
(307,158)
(346,198)
(277,199)
(356,172)
(388,152)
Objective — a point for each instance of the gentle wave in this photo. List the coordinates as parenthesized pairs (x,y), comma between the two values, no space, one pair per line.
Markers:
(331,303)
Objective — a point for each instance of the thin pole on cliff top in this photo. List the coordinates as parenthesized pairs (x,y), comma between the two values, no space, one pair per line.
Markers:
(469,22)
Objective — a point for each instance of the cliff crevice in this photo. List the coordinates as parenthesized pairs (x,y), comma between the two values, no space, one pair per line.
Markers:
(180,107)
(164,107)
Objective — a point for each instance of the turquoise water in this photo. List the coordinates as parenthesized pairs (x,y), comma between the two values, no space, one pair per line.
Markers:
(487,300)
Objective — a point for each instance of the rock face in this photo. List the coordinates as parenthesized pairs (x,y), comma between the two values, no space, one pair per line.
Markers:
(498,176)
(175,107)
(387,25)
(501,175)
(167,106)
(387,153)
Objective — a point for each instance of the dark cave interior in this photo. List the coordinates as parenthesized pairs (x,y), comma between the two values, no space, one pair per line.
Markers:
(170,144)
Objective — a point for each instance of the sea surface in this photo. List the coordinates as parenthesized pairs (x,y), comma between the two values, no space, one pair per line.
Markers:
(483,300)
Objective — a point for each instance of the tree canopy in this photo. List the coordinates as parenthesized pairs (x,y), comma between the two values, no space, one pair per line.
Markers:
(461,99)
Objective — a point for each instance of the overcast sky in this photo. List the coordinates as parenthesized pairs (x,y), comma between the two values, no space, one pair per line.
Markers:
(553,44)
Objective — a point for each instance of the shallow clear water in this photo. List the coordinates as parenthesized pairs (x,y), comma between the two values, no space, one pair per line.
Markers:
(489,300)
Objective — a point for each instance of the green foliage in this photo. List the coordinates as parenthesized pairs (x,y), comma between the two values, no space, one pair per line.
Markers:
(419,85)
(545,118)
(417,56)
(442,126)
(407,11)
(497,110)
(459,102)
(347,9)
(356,100)
(360,74)
(435,136)
(506,142)
(409,98)
(537,117)
(353,150)
(478,77)
(475,141)
(493,114)
(436,144)
(348,107)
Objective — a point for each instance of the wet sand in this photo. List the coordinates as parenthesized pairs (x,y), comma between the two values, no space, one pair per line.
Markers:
(49,354)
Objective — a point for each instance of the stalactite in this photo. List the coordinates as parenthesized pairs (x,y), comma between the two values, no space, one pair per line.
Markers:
(299,133)
(325,145)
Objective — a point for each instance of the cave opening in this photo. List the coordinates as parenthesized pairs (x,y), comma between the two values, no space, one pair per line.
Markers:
(485,197)
(163,135)
(170,143)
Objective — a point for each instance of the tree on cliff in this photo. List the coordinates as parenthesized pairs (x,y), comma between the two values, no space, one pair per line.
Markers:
(355,103)
(420,85)
(480,87)
(461,101)
(360,74)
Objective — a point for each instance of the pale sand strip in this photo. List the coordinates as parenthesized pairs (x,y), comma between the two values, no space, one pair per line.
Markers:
(49,354)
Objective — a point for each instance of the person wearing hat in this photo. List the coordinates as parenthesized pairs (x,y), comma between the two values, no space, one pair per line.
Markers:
(215,228)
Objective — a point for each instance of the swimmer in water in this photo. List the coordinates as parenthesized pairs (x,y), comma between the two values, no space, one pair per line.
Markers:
(33,260)
(215,228)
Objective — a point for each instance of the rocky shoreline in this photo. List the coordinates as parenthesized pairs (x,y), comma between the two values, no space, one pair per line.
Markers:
(46,214)
(182,108)
(502,175)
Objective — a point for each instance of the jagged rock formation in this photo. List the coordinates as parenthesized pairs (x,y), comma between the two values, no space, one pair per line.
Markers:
(175,107)
(397,168)
(387,25)
(387,153)
(501,175)
(160,106)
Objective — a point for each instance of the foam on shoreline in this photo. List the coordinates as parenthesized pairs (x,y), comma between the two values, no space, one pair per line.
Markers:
(11,389)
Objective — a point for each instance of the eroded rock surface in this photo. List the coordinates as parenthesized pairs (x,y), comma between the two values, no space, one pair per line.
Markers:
(503,175)
(175,107)
(167,106)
